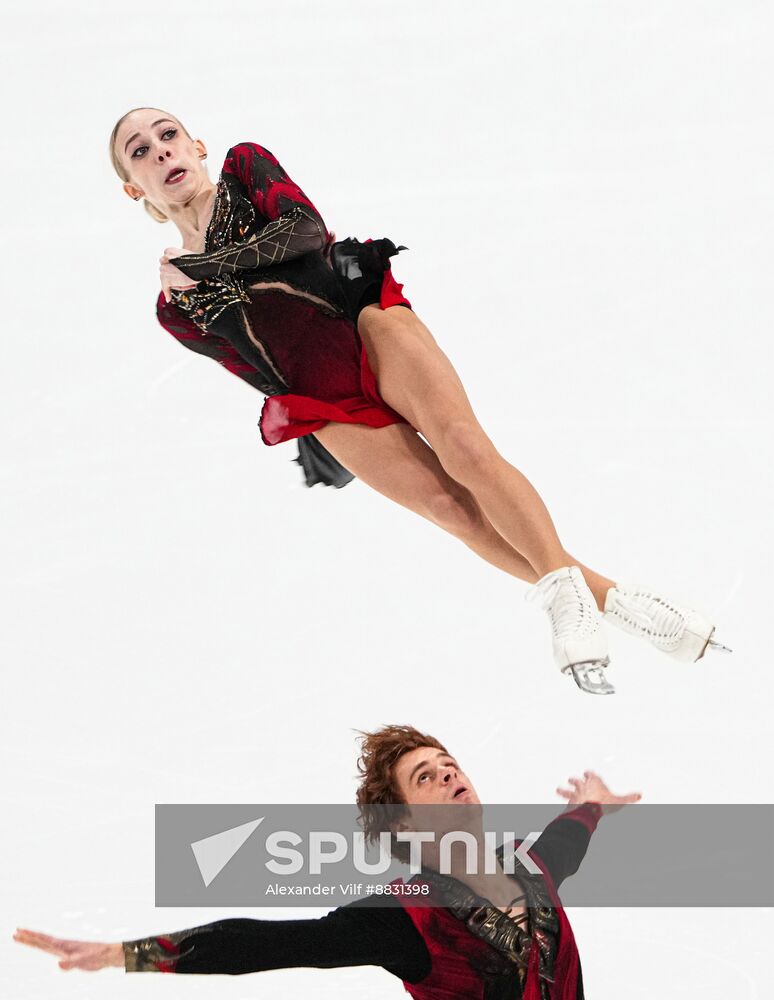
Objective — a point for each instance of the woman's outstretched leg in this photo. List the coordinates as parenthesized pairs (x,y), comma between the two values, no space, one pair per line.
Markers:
(417,379)
(397,463)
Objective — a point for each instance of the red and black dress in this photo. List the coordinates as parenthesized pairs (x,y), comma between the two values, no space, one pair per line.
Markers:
(277,306)
(459,948)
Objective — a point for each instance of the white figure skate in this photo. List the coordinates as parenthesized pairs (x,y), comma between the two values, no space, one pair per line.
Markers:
(579,640)
(680,632)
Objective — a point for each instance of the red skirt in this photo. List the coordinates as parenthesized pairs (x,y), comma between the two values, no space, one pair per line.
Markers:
(325,362)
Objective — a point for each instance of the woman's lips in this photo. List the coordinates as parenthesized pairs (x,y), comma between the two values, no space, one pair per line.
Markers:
(176,177)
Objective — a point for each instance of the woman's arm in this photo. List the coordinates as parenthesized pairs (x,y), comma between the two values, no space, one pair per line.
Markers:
(294,227)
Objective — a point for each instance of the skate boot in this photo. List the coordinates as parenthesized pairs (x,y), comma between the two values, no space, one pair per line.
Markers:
(579,640)
(680,632)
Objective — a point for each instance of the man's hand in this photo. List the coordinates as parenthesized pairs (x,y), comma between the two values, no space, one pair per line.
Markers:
(171,276)
(591,788)
(87,955)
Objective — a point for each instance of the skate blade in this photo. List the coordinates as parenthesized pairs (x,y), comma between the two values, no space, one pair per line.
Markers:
(590,677)
(711,643)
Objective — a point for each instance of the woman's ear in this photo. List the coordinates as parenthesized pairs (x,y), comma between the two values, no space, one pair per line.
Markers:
(201,149)
(134,192)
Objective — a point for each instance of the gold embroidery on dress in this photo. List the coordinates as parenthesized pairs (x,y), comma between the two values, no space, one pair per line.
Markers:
(204,303)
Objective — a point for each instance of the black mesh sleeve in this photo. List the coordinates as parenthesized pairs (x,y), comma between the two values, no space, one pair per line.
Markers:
(295,233)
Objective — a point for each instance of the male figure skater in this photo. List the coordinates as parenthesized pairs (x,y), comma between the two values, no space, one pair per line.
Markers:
(482,936)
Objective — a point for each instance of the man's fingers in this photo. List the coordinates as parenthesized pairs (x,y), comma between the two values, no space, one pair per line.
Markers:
(69,963)
(45,942)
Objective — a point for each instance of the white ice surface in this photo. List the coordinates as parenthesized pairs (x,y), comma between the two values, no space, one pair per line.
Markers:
(586,191)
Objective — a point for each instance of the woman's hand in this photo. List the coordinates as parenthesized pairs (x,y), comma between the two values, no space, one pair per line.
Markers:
(171,276)
(328,247)
(87,955)
(591,788)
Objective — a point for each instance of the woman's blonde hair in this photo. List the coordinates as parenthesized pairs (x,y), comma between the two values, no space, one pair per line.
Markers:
(150,208)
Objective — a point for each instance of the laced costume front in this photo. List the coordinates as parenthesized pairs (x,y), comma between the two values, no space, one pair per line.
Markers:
(277,305)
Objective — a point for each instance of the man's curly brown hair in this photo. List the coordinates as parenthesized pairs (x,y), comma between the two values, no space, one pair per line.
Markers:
(378,797)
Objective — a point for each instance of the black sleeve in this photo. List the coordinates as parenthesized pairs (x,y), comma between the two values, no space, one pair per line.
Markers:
(563,844)
(295,233)
(294,226)
(357,934)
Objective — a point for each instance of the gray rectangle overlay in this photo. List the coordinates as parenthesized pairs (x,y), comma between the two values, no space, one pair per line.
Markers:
(314,855)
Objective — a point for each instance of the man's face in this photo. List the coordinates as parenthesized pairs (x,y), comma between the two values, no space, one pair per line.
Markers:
(428,776)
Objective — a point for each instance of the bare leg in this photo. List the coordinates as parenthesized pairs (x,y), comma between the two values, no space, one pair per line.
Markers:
(397,463)
(417,379)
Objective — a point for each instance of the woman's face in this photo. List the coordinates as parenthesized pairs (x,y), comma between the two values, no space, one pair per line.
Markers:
(163,164)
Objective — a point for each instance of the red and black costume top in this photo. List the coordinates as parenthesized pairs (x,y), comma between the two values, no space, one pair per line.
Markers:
(277,304)
(460,951)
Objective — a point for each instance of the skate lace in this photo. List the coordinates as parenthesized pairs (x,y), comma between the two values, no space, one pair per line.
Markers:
(567,606)
(649,613)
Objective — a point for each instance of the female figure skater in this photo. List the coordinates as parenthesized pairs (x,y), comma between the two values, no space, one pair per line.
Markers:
(474,935)
(350,371)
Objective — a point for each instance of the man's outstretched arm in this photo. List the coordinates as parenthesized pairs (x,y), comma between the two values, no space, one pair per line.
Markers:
(357,934)
(348,936)
(563,844)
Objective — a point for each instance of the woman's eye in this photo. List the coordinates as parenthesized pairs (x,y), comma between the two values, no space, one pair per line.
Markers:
(167,132)
(423,776)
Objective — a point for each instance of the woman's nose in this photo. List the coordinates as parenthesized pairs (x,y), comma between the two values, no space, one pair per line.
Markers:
(162,155)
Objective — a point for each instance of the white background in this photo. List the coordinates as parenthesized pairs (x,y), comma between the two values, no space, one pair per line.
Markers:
(586,192)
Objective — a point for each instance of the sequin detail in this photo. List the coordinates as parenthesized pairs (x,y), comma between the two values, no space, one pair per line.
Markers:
(211,297)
